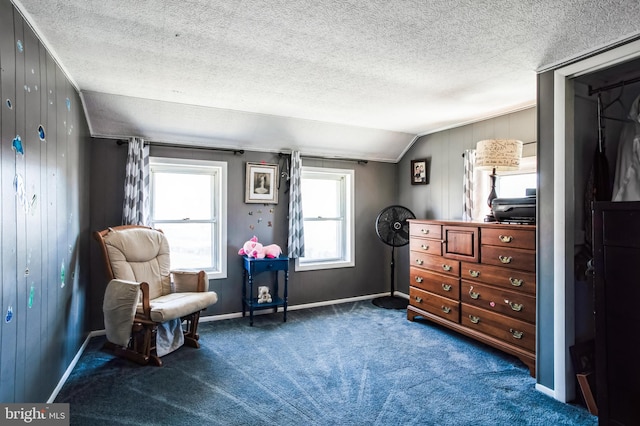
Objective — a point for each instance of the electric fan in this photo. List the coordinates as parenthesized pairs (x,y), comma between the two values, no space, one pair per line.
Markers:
(393,230)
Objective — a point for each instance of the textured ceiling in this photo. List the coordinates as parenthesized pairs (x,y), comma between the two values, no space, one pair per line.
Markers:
(336,77)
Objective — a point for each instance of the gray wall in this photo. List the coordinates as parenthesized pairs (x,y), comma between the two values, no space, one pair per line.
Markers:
(48,323)
(441,198)
(375,188)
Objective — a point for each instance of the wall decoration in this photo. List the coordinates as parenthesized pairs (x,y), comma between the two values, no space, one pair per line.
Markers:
(32,293)
(20,46)
(9,104)
(260,184)
(62,275)
(68,102)
(419,172)
(41,133)
(9,315)
(17,145)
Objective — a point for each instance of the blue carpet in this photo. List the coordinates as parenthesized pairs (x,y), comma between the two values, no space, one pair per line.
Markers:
(348,364)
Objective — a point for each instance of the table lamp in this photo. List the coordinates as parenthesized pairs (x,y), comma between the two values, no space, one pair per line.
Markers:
(497,155)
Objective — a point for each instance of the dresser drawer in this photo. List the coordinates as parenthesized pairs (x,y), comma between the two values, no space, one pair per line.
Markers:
(426,246)
(514,304)
(424,230)
(441,284)
(509,257)
(512,238)
(510,279)
(435,263)
(437,305)
(507,329)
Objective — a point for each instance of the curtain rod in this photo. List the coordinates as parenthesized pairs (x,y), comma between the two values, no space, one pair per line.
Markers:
(593,91)
(315,157)
(169,145)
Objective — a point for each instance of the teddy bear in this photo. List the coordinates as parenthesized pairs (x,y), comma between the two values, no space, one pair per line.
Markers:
(263,294)
(253,248)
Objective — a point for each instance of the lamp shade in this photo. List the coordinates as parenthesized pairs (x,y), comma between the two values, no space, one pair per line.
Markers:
(501,154)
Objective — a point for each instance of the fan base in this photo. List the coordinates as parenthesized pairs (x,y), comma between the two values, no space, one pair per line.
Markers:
(391,302)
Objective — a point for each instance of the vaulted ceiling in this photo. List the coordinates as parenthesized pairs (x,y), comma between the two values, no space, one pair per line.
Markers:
(344,78)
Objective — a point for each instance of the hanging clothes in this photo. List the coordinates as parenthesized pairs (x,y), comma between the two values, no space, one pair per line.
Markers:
(626,185)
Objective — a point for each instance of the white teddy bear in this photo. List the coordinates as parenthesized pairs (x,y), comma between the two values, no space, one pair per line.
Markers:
(263,294)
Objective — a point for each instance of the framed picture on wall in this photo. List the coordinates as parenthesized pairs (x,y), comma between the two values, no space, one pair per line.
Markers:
(419,172)
(261,184)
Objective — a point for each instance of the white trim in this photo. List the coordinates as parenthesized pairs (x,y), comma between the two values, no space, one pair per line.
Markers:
(222,184)
(30,21)
(563,265)
(349,221)
(72,365)
(545,390)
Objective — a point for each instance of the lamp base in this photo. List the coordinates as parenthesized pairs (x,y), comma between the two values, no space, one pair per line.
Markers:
(490,218)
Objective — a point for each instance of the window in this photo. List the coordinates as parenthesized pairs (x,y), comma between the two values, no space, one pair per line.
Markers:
(515,184)
(327,206)
(189,204)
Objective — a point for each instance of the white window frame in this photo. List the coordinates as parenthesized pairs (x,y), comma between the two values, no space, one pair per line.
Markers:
(219,168)
(347,215)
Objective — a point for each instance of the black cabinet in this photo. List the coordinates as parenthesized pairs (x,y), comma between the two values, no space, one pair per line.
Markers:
(253,267)
(616,241)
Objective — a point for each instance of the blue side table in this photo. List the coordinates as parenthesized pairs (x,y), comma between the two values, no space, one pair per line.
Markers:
(253,267)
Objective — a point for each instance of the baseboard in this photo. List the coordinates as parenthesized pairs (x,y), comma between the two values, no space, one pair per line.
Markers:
(209,318)
(545,390)
(72,365)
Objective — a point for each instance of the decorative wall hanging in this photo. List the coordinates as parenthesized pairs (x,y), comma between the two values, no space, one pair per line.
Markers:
(261,184)
(419,172)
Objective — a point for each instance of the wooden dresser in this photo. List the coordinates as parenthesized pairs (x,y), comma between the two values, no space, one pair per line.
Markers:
(477,279)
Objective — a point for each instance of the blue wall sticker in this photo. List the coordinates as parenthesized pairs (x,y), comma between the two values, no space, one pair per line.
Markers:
(68,101)
(20,46)
(41,133)
(9,104)
(9,316)
(17,145)
(62,275)
(32,293)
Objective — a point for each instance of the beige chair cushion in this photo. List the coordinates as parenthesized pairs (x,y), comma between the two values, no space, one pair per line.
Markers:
(176,305)
(140,255)
(119,308)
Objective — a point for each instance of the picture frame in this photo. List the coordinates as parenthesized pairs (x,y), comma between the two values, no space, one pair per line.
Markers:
(419,172)
(261,184)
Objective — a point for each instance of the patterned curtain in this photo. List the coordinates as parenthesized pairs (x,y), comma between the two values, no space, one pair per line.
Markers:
(469,159)
(135,209)
(296,223)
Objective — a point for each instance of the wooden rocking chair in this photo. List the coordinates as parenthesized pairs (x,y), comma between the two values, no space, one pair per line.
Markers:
(143,293)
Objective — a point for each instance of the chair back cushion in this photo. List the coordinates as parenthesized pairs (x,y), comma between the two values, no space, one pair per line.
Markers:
(140,255)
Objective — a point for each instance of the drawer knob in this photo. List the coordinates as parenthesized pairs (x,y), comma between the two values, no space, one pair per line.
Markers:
(515,306)
(473,294)
(446,287)
(505,259)
(516,282)
(424,231)
(446,267)
(474,319)
(418,279)
(505,238)
(474,274)
(419,261)
(446,309)
(424,247)
(516,334)
(418,299)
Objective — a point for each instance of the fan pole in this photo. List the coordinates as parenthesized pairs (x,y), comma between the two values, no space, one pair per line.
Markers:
(393,274)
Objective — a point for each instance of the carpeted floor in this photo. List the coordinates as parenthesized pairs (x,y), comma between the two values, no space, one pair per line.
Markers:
(348,364)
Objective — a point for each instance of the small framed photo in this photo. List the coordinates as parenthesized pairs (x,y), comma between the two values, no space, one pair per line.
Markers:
(261,184)
(419,172)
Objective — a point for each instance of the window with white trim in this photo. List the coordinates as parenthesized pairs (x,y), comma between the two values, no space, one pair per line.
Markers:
(189,204)
(328,210)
